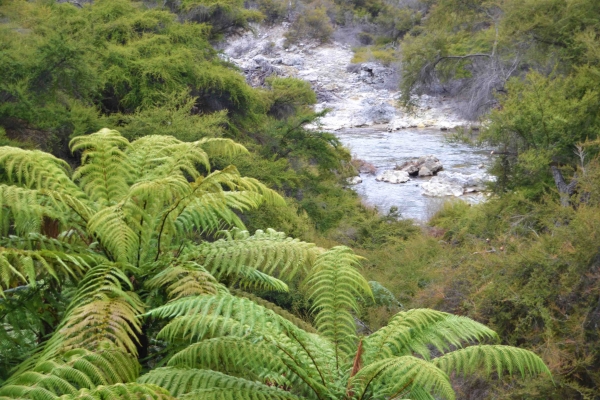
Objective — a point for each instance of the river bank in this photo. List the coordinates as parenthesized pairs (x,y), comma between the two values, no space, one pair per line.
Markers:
(365,114)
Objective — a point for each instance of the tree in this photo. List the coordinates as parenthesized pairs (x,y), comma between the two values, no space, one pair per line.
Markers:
(119,219)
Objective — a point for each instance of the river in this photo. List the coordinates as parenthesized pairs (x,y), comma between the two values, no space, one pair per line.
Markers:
(387,149)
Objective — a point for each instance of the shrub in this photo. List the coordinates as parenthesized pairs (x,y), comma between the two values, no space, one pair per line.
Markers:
(288,95)
(273,10)
(314,24)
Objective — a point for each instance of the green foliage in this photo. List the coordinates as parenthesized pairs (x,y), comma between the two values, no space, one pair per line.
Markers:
(541,121)
(273,10)
(230,344)
(312,24)
(289,95)
(68,71)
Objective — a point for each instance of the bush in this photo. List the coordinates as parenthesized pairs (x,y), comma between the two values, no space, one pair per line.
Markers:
(289,95)
(274,10)
(313,24)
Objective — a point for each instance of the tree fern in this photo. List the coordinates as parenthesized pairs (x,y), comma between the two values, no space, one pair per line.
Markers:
(136,221)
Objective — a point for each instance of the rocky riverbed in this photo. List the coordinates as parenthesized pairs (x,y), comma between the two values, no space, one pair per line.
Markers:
(357,95)
(366,116)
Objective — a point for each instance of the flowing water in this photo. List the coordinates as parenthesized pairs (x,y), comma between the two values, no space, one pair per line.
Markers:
(387,149)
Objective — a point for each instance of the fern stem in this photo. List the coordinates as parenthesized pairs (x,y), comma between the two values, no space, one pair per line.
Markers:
(362,396)
(297,374)
(310,356)
(140,234)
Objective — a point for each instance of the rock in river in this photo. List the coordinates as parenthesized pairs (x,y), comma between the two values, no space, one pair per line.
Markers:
(454,184)
(393,177)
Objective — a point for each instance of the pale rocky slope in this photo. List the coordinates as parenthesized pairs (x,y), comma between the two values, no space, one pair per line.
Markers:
(357,95)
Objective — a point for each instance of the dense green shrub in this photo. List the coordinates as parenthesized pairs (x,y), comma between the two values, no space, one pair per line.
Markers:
(289,96)
(274,10)
(312,24)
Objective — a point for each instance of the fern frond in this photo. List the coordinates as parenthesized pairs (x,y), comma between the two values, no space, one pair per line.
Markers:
(120,391)
(268,251)
(113,231)
(183,280)
(36,170)
(199,313)
(22,267)
(104,318)
(300,323)
(162,156)
(182,381)
(262,392)
(105,168)
(231,355)
(334,287)
(396,376)
(74,370)
(415,330)
(221,147)
(490,358)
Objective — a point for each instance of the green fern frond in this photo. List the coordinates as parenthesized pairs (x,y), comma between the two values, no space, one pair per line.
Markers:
(262,392)
(334,287)
(182,381)
(231,355)
(105,168)
(113,231)
(160,156)
(268,251)
(22,267)
(199,312)
(104,318)
(277,310)
(36,170)
(415,330)
(269,196)
(183,280)
(252,278)
(221,147)
(396,376)
(127,391)
(490,358)
(74,370)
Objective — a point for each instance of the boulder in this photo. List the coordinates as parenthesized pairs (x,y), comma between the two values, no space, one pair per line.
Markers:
(437,187)
(381,113)
(392,176)
(422,166)
(373,73)
(424,171)
(430,162)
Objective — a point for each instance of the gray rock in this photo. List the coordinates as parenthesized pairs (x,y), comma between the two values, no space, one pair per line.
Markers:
(392,176)
(381,113)
(355,180)
(430,165)
(424,171)
(293,60)
(455,184)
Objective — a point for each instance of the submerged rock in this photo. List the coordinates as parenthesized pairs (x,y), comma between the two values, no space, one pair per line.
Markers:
(392,176)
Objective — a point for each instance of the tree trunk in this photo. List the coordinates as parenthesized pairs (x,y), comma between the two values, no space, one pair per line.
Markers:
(565,191)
